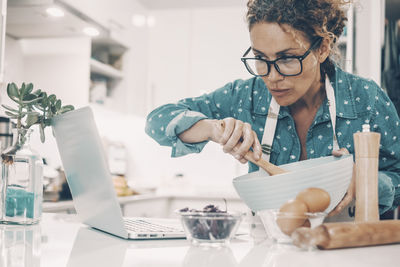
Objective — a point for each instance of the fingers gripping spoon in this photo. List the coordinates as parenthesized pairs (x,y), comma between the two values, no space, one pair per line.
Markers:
(270,168)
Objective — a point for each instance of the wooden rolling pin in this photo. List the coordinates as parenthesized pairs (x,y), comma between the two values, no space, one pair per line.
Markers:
(348,234)
(270,168)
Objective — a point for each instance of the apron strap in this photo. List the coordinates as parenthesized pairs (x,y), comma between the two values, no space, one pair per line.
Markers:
(269,129)
(330,94)
(272,120)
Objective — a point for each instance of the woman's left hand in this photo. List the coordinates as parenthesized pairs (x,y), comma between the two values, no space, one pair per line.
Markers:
(350,194)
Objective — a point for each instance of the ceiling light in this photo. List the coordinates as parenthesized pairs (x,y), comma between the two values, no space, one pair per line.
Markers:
(91,31)
(55,12)
(151,21)
(138,20)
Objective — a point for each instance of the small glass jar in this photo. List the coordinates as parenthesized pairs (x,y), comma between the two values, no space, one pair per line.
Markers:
(22,182)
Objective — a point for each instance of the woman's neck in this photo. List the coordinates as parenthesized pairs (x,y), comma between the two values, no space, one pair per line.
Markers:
(312,100)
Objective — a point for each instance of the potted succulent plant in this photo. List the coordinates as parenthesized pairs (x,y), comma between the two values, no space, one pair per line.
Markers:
(21,196)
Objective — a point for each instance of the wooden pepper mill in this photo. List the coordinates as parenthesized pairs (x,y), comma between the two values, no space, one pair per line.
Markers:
(366,146)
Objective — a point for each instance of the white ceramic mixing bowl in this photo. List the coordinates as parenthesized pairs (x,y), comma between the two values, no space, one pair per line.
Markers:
(261,191)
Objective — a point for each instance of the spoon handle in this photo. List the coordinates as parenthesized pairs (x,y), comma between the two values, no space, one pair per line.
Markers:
(270,168)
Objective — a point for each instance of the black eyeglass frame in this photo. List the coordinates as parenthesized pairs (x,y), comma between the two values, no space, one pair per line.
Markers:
(270,62)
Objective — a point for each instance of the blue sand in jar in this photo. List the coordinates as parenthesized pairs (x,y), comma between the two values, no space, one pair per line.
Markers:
(19,200)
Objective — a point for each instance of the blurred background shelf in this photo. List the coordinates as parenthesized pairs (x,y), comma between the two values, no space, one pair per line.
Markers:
(105,70)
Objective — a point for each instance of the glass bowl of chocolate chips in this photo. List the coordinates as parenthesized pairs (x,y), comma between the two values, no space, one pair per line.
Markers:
(209,226)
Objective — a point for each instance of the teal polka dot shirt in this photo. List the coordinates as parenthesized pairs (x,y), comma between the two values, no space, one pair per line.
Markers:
(358,101)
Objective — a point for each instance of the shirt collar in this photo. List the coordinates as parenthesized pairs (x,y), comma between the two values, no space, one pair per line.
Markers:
(262,99)
(345,106)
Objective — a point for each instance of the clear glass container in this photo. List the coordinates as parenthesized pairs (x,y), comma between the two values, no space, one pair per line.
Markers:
(210,228)
(22,182)
(280,225)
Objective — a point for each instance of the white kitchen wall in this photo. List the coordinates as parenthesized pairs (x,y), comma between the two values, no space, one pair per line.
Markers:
(13,68)
(13,62)
(192,51)
(56,65)
(59,66)
(369,33)
(220,37)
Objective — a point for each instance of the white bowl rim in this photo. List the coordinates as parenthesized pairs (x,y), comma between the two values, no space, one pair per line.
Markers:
(246,178)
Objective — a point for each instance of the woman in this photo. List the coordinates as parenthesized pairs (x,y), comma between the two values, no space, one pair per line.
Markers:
(299,105)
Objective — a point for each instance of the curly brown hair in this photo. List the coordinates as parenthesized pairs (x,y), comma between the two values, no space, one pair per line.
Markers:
(315,18)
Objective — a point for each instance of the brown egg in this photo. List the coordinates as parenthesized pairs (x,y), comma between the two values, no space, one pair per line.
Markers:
(316,199)
(291,216)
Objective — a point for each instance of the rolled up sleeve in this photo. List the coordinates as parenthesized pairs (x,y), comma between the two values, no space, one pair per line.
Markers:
(165,123)
(178,125)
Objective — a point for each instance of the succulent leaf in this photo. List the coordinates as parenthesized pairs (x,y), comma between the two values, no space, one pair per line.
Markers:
(66,109)
(53,109)
(10,113)
(9,108)
(12,91)
(58,104)
(29,88)
(52,98)
(32,118)
(37,92)
(36,106)
(28,97)
(30,101)
(22,91)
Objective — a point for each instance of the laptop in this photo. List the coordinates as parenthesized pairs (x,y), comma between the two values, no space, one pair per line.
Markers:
(88,176)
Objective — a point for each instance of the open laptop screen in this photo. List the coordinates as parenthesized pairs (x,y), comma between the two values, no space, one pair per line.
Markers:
(86,169)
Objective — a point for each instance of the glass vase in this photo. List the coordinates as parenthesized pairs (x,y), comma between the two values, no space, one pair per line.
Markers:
(22,182)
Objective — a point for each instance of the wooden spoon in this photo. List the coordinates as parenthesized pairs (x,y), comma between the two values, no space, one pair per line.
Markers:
(270,168)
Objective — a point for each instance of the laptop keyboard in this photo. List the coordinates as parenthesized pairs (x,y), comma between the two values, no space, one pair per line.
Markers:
(141,226)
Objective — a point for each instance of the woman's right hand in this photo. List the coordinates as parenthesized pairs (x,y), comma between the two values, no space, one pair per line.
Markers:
(236,137)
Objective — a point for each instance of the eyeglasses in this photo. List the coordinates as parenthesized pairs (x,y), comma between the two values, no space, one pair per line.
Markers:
(286,66)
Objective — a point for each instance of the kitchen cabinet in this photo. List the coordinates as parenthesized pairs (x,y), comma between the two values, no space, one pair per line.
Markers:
(109,59)
(106,68)
(100,68)
(125,83)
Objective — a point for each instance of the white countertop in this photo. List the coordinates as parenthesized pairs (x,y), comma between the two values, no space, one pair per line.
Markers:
(68,204)
(60,240)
